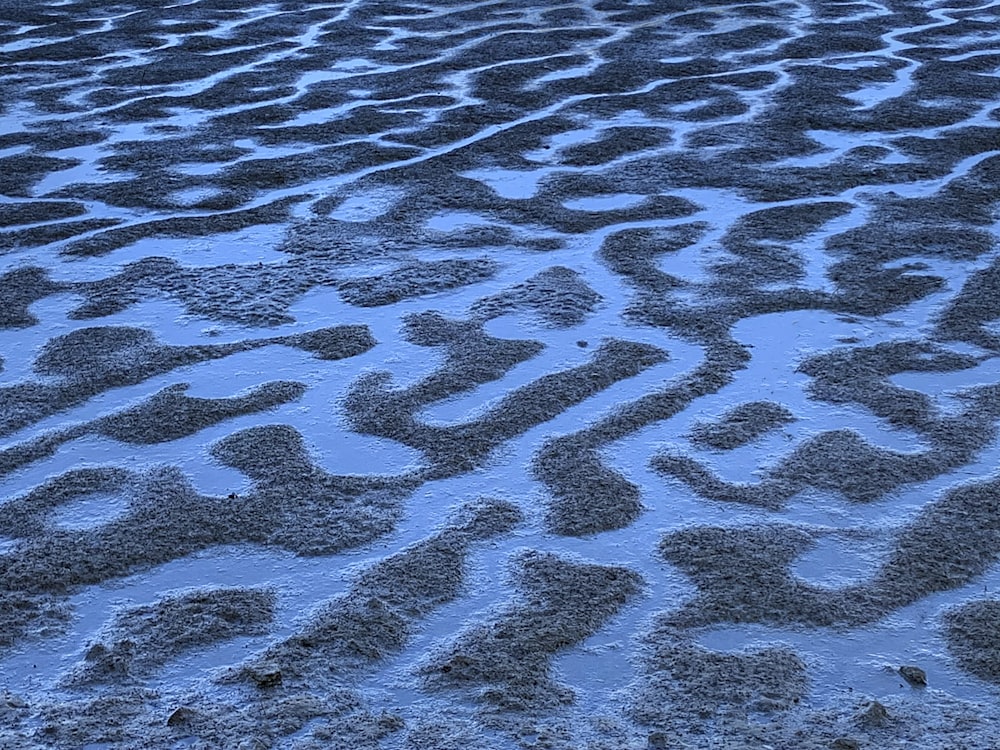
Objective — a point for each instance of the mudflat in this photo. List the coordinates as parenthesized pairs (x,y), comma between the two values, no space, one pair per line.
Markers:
(503,374)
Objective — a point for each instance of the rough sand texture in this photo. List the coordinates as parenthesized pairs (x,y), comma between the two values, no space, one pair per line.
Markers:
(740,425)
(505,660)
(972,636)
(141,639)
(375,618)
(167,415)
(89,361)
(510,375)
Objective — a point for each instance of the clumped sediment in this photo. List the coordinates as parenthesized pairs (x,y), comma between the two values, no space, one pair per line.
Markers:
(168,415)
(505,662)
(90,361)
(387,601)
(141,639)
(474,358)
(741,425)
(684,683)
(743,573)
(972,631)
(294,504)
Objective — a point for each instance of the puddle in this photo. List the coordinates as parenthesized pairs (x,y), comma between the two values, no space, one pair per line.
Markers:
(88,513)
(604,202)
(455,220)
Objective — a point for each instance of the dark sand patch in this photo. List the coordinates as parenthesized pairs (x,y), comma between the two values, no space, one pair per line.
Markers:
(386,603)
(416,279)
(741,425)
(587,496)
(505,662)
(99,720)
(294,505)
(688,684)
(970,313)
(139,640)
(21,171)
(558,296)
(838,460)
(743,574)
(634,253)
(783,223)
(109,240)
(851,722)
(21,288)
(90,361)
(136,717)
(167,415)
(842,460)
(453,733)
(30,614)
(615,143)
(474,358)
(308,510)
(39,236)
(973,634)
(170,414)
(254,294)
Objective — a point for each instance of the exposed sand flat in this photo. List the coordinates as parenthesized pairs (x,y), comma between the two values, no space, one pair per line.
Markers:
(500,374)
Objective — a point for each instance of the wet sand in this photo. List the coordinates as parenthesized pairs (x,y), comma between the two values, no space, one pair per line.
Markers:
(507,375)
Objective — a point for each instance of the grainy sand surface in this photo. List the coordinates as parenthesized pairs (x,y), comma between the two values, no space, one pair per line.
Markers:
(600,374)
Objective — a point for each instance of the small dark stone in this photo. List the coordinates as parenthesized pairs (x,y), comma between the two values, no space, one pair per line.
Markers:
(180,716)
(845,743)
(874,715)
(265,676)
(582,344)
(914,675)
